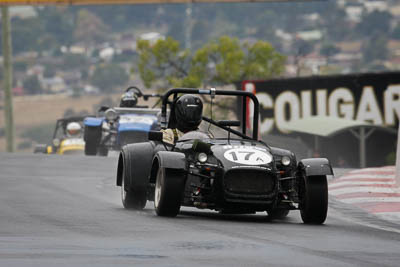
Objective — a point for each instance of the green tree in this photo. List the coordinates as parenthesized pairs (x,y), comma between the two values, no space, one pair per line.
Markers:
(374,23)
(163,60)
(49,71)
(74,61)
(32,85)
(89,28)
(329,49)
(396,32)
(302,47)
(375,49)
(108,76)
(20,65)
(58,25)
(25,34)
(223,61)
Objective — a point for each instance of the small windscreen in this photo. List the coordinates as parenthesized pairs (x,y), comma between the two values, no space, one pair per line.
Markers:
(195,135)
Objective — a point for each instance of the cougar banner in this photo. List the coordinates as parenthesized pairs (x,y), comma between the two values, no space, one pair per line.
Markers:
(372,97)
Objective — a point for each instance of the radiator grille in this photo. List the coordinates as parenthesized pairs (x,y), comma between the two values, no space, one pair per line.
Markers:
(249,181)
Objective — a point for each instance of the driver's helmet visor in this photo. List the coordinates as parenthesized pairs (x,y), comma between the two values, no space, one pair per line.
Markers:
(192,113)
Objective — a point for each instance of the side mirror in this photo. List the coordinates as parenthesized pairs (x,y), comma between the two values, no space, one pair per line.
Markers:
(228,123)
(155,136)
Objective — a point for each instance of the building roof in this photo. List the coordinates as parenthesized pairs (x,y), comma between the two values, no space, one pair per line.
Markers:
(328,126)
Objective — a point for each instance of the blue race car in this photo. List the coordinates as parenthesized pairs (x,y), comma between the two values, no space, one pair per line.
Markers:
(129,123)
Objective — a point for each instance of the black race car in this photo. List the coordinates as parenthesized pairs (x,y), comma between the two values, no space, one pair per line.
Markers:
(232,174)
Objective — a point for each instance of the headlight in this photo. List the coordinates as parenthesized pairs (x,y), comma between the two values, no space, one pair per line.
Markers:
(111,114)
(285,160)
(202,157)
(56,142)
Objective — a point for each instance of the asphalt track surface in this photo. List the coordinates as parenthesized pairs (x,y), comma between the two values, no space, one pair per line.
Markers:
(66,211)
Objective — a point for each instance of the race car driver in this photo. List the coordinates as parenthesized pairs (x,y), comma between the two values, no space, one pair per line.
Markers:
(129,99)
(73,129)
(188,110)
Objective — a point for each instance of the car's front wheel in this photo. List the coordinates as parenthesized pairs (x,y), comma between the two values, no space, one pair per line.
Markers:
(130,199)
(314,206)
(92,139)
(90,148)
(168,192)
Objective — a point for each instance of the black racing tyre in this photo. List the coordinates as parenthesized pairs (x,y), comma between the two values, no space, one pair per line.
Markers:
(92,139)
(278,214)
(131,199)
(168,192)
(103,151)
(314,206)
(90,148)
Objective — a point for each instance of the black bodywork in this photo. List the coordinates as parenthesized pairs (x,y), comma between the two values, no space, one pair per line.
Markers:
(235,175)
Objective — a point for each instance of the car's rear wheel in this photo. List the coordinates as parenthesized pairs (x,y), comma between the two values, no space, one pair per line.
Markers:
(314,206)
(131,199)
(278,214)
(168,192)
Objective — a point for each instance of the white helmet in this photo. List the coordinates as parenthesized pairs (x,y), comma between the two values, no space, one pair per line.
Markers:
(73,129)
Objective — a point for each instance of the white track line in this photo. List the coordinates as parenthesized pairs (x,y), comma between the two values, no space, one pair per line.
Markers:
(343,183)
(366,189)
(380,169)
(370,199)
(390,216)
(366,176)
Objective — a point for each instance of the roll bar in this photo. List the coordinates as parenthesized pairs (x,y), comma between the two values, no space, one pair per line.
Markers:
(213,92)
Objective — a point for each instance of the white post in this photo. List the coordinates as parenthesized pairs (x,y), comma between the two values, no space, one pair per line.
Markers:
(363,155)
(398,158)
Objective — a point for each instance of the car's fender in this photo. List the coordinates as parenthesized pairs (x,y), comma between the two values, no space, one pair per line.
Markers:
(316,166)
(278,153)
(171,160)
(93,122)
(135,160)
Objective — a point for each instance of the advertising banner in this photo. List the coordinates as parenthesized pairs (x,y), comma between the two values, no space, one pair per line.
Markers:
(372,97)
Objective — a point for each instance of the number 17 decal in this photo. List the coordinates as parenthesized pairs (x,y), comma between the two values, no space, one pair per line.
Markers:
(248,156)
